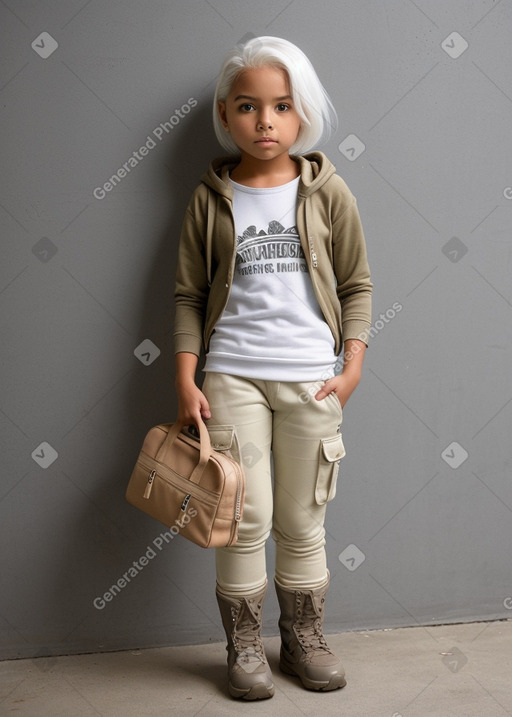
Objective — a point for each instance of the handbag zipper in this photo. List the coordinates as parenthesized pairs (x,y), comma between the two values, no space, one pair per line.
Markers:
(149,484)
(238,515)
(238,498)
(188,487)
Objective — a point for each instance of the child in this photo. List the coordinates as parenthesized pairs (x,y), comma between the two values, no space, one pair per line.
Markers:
(272,277)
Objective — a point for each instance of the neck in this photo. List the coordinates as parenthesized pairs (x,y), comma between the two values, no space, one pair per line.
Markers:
(265,173)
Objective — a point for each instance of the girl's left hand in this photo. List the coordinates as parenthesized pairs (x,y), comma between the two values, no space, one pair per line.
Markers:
(345,383)
(342,386)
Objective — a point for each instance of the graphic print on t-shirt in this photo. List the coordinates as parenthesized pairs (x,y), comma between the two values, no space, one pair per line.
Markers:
(274,251)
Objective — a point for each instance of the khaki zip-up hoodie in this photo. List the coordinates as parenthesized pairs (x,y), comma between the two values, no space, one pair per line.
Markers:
(330,233)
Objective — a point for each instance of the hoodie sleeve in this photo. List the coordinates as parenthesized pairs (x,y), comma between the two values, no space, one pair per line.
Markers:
(192,288)
(353,285)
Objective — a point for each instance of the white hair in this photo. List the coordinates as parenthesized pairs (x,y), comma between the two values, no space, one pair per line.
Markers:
(311,101)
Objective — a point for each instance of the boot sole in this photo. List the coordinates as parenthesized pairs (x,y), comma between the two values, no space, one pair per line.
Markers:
(335,683)
(256,692)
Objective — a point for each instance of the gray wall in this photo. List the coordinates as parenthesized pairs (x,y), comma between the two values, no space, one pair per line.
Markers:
(420,531)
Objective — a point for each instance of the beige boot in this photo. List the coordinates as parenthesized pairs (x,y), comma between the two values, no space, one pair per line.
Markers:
(248,670)
(304,650)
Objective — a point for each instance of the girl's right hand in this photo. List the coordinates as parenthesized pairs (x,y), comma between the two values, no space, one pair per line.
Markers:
(193,405)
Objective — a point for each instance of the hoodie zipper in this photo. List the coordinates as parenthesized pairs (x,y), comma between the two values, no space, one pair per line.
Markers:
(312,252)
(229,281)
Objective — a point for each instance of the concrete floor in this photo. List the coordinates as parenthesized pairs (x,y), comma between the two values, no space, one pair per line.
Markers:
(451,671)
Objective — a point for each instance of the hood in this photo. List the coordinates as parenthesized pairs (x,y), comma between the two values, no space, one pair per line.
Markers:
(315,170)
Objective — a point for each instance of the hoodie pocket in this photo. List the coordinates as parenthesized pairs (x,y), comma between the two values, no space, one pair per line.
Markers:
(331,452)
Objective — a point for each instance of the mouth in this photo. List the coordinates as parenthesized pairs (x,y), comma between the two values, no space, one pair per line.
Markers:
(266,140)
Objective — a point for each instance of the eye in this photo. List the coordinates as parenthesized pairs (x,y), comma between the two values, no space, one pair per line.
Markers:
(246,107)
(282,107)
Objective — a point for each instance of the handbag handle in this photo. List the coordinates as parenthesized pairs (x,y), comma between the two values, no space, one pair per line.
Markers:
(205,448)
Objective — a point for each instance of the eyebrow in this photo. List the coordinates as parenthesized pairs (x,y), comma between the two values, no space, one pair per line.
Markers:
(248,97)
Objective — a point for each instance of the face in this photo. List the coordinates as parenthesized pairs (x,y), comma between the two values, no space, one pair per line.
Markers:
(259,113)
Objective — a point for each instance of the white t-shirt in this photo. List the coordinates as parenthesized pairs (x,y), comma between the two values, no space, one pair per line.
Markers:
(272,327)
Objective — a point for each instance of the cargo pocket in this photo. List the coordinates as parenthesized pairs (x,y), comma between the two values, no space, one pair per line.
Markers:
(332,451)
(225,439)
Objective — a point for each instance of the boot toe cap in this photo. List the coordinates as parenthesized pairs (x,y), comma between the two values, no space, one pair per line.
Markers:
(258,687)
(324,678)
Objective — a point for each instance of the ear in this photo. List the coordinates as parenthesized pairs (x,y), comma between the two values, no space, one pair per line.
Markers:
(221,108)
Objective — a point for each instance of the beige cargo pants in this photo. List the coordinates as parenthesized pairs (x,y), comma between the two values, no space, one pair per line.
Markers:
(280,423)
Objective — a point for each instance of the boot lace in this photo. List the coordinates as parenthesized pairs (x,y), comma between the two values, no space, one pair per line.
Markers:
(246,637)
(309,628)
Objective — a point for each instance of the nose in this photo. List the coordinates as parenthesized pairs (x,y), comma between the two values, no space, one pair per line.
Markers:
(264,121)
(264,125)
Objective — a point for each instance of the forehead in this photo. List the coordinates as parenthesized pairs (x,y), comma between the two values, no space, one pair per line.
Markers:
(261,82)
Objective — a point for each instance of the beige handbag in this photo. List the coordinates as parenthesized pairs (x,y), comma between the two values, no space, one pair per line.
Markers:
(181,481)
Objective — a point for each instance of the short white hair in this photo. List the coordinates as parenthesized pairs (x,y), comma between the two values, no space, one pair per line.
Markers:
(311,101)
